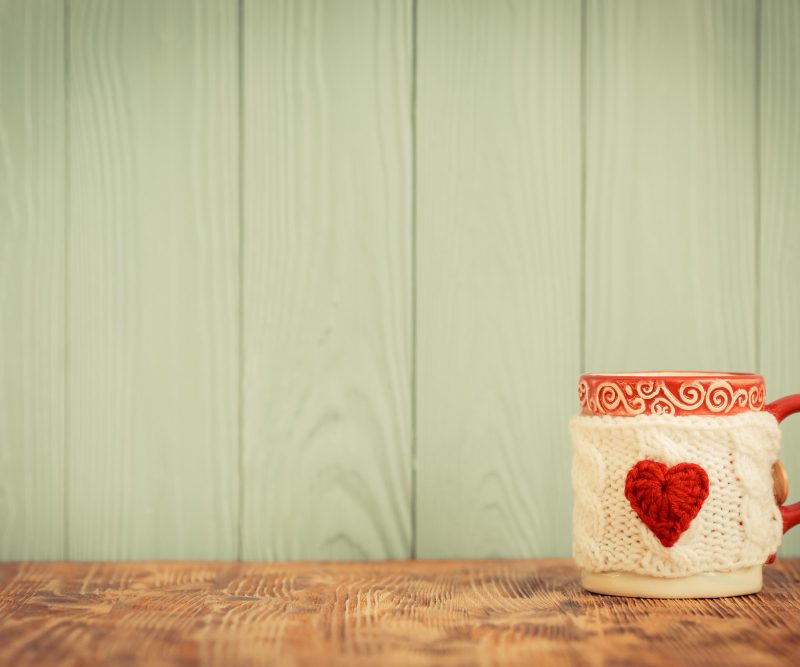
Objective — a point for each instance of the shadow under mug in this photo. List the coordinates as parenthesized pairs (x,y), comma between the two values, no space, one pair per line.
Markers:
(678,489)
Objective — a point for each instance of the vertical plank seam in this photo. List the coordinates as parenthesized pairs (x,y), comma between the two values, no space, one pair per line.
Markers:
(414,444)
(583,138)
(757,193)
(67,234)
(240,214)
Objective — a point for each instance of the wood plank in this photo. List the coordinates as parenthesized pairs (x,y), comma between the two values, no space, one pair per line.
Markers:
(153,299)
(401,613)
(327,279)
(780,222)
(32,227)
(671,185)
(499,168)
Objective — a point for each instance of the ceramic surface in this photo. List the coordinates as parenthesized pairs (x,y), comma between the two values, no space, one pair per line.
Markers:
(683,393)
(707,585)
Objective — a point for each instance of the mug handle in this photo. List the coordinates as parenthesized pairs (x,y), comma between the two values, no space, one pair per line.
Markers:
(781,409)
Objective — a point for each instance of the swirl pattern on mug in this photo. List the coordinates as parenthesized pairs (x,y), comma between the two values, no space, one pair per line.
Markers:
(629,398)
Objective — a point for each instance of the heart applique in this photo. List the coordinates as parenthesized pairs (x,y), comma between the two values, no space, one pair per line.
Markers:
(666,499)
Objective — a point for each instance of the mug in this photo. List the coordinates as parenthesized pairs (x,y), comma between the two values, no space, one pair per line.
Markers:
(678,490)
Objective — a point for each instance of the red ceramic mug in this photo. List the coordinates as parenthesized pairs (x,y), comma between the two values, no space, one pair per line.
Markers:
(678,489)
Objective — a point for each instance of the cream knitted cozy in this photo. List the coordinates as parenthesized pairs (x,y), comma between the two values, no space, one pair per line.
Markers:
(739,524)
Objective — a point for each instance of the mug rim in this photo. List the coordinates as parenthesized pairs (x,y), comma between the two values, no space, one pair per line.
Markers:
(633,393)
(674,374)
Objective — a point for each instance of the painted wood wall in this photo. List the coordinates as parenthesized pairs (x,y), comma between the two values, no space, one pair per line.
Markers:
(288,279)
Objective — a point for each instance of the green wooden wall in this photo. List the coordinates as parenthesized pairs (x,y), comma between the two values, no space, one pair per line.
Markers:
(286,279)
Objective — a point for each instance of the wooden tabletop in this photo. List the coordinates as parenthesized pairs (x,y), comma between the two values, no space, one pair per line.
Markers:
(392,613)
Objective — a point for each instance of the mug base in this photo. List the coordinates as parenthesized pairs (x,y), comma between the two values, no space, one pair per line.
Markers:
(744,581)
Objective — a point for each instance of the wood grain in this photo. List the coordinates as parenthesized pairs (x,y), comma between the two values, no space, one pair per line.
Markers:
(121,313)
(780,223)
(327,279)
(671,185)
(401,613)
(498,229)
(153,280)
(32,228)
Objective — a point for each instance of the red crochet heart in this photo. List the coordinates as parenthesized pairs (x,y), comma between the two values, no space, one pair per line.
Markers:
(666,499)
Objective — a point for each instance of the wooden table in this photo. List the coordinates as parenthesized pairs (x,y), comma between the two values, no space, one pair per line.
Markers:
(395,613)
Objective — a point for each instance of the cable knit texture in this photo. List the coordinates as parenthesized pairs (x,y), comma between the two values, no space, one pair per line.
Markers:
(674,496)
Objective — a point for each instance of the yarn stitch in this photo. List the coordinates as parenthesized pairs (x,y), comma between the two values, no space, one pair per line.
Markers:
(738,525)
(666,499)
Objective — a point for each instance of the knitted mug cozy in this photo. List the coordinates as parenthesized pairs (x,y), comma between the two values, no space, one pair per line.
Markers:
(672,496)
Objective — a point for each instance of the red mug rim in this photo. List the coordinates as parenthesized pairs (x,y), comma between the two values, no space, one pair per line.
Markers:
(709,393)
